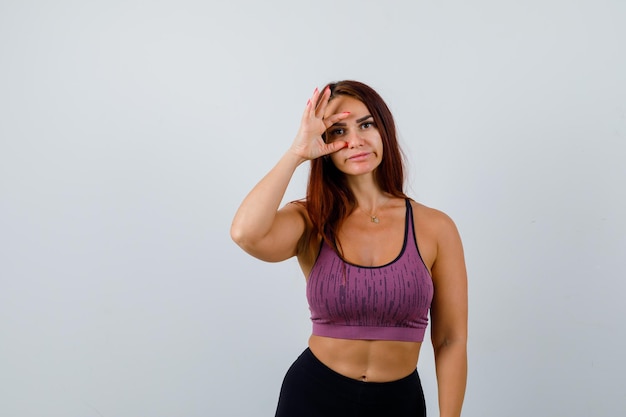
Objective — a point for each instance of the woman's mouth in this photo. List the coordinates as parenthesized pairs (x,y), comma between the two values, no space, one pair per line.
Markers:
(359,156)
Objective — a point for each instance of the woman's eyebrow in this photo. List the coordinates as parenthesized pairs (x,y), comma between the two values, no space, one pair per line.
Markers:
(362,119)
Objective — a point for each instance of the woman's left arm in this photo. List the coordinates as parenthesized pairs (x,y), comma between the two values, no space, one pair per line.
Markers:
(449,318)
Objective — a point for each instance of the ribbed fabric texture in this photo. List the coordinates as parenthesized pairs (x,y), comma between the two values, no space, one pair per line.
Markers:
(388,302)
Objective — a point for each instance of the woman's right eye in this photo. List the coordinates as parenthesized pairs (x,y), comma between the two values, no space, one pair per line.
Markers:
(336,132)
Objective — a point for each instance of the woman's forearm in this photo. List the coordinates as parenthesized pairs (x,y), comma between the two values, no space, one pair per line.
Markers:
(451,368)
(256,214)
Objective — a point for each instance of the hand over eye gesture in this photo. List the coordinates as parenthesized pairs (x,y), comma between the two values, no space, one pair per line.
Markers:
(309,143)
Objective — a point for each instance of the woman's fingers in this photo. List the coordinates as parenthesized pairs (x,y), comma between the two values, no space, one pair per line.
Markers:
(331,120)
(311,106)
(308,142)
(322,102)
(335,146)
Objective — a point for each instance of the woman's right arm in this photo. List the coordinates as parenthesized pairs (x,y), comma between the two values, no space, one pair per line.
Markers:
(259,227)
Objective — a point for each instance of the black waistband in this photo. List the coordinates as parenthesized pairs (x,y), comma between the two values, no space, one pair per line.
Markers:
(322,373)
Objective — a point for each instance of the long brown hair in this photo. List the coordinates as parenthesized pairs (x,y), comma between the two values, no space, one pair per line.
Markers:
(329,200)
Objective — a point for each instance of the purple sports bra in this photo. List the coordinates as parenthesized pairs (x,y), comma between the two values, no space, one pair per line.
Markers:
(388,302)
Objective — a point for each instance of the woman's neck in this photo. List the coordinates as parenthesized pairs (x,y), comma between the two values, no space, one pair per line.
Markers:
(369,197)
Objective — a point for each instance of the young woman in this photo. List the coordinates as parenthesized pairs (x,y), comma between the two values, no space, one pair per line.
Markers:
(375,261)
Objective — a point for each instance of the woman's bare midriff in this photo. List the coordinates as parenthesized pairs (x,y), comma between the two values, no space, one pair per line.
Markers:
(367,360)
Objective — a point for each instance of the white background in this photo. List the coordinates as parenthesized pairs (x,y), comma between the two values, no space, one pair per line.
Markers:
(131,130)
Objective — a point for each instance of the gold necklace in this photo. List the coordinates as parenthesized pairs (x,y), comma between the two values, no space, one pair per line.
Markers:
(373,217)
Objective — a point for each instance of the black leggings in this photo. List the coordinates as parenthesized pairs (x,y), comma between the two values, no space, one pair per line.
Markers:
(311,389)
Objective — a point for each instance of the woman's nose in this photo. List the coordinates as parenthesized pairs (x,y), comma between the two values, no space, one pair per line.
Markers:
(354,139)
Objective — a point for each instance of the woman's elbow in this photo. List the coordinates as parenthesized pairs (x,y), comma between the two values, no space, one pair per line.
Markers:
(458,341)
(255,246)
(239,236)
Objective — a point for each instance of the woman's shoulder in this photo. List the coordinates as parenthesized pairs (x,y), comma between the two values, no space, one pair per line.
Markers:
(432,219)
(299,207)
(436,233)
(309,244)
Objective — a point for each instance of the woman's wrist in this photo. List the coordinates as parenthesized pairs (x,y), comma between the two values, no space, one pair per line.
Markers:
(293,157)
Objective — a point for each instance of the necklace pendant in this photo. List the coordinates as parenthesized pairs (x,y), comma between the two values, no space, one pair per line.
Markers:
(374,219)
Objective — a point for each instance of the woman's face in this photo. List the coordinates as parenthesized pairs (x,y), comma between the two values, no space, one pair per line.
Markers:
(365,147)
